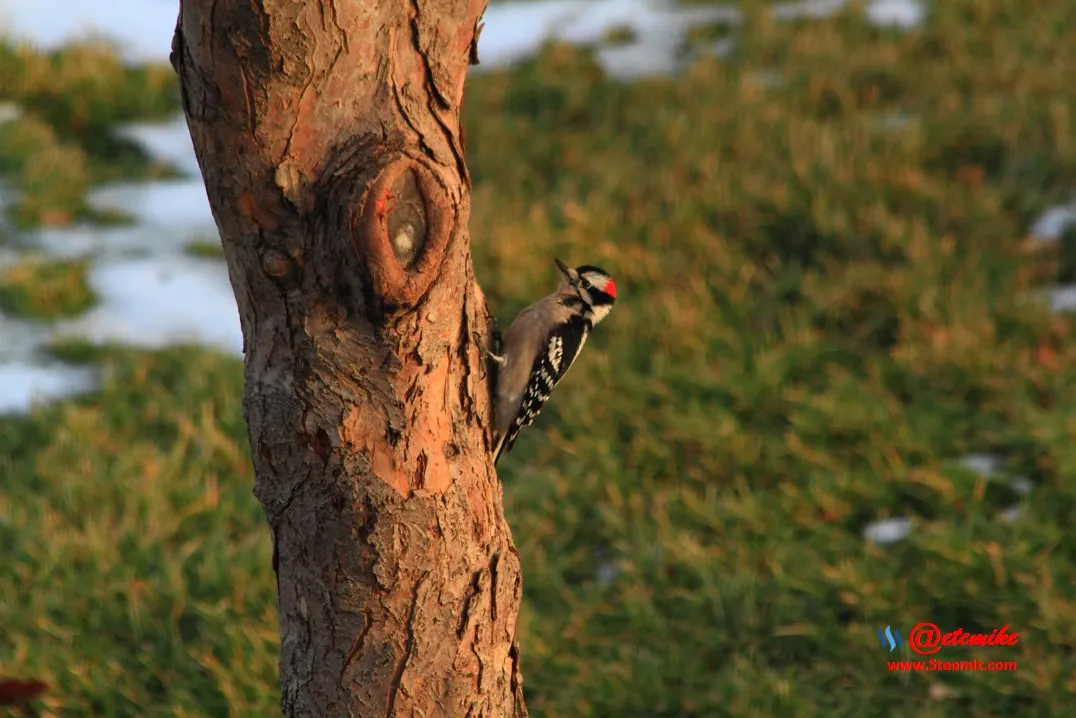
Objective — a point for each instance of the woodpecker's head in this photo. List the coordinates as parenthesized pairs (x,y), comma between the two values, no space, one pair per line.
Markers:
(594,287)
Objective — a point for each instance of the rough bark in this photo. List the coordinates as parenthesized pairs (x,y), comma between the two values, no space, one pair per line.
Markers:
(328,135)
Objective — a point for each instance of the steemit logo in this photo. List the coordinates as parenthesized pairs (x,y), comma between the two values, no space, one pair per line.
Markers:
(889,636)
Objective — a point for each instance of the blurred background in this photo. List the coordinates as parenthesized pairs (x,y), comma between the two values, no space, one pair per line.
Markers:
(836,394)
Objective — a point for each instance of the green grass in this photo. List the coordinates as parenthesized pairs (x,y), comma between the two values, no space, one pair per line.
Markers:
(64,139)
(205,248)
(137,576)
(45,290)
(50,175)
(619,35)
(816,317)
(708,33)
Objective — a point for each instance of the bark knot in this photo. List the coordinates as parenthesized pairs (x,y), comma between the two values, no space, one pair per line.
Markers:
(402,231)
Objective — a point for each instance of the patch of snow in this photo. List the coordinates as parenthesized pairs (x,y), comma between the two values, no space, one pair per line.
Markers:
(887,531)
(22,384)
(515,31)
(9,257)
(904,14)
(165,203)
(9,112)
(158,299)
(1013,513)
(20,338)
(894,121)
(986,465)
(1021,485)
(152,303)
(606,573)
(1062,298)
(992,466)
(807,9)
(165,142)
(169,214)
(1052,223)
(95,242)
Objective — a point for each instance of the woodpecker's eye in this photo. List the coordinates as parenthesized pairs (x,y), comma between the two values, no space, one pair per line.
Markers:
(584,283)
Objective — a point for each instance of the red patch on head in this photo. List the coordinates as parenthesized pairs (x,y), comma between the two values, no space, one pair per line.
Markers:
(610,289)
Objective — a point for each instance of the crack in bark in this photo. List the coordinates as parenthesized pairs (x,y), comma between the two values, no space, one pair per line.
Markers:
(422,463)
(369,521)
(478,656)
(472,591)
(517,680)
(453,142)
(212,30)
(407,118)
(430,79)
(248,94)
(357,646)
(336,22)
(431,82)
(493,584)
(278,513)
(315,75)
(276,559)
(464,343)
(401,666)
(295,121)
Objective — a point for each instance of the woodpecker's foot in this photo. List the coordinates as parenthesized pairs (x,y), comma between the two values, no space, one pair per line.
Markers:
(495,357)
(496,342)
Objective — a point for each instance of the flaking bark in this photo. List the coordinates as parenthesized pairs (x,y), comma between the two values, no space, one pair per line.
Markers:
(329,139)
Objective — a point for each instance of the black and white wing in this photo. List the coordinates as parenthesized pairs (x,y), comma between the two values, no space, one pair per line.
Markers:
(562,346)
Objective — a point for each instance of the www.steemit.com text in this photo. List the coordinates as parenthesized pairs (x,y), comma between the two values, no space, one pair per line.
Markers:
(936,664)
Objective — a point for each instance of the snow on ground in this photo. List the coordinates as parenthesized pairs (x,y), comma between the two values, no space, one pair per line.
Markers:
(151,293)
(513,30)
(156,301)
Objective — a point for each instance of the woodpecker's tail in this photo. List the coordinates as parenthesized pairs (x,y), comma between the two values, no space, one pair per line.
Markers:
(497,450)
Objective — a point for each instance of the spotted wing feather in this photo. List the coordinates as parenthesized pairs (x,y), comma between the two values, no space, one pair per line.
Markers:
(561,348)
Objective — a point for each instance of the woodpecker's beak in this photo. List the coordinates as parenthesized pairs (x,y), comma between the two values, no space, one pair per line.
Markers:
(564,270)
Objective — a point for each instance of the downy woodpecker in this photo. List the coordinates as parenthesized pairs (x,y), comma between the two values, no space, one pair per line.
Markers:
(541,345)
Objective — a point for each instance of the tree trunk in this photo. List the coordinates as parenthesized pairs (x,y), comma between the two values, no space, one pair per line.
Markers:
(329,138)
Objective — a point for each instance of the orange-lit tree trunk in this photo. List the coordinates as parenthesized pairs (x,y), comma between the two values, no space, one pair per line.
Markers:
(329,138)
